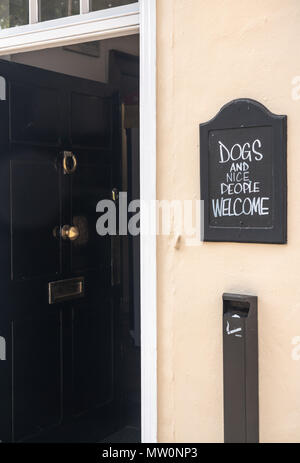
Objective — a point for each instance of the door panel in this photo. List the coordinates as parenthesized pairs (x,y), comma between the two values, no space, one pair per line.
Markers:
(92,355)
(92,317)
(37,373)
(90,184)
(35,212)
(5,223)
(35,114)
(91,121)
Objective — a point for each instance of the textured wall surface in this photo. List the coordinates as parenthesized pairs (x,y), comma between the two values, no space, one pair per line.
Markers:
(210,52)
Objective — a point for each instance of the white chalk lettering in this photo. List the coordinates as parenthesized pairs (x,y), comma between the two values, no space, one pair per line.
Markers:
(235,208)
(258,156)
(238,152)
(240,195)
(238,188)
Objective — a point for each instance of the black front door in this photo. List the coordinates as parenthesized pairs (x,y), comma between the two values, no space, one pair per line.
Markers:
(58,145)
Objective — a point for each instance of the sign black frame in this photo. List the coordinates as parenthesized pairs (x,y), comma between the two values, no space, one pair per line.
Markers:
(246,113)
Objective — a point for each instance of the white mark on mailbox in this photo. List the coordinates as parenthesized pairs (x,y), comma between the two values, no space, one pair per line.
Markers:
(2,348)
(235,331)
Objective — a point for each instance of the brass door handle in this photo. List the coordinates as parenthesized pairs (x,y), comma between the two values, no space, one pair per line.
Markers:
(69,232)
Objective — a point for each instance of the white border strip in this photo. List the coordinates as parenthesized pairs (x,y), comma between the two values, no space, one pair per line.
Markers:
(104,24)
(84,6)
(148,242)
(33,11)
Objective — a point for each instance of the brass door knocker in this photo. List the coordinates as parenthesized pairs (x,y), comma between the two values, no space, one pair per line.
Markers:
(69,162)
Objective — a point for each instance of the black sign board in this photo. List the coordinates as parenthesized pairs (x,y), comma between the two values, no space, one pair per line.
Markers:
(243,174)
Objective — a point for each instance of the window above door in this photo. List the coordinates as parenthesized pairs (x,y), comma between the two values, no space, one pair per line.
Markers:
(25,25)
(53,9)
(14,13)
(103,4)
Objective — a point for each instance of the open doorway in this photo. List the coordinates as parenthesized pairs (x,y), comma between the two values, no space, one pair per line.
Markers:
(70,139)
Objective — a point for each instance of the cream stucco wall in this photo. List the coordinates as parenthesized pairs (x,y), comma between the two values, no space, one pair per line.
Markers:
(210,52)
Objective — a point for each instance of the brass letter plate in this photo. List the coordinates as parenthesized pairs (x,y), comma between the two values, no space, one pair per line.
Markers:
(64,290)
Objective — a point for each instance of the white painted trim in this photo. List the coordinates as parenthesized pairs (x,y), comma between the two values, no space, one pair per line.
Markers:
(107,24)
(103,24)
(148,241)
(84,6)
(33,11)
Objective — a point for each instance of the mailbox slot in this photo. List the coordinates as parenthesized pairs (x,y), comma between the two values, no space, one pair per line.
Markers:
(240,367)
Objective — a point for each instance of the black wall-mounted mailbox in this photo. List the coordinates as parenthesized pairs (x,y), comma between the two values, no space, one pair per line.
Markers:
(240,368)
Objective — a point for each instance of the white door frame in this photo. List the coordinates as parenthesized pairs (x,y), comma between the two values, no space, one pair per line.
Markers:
(115,22)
